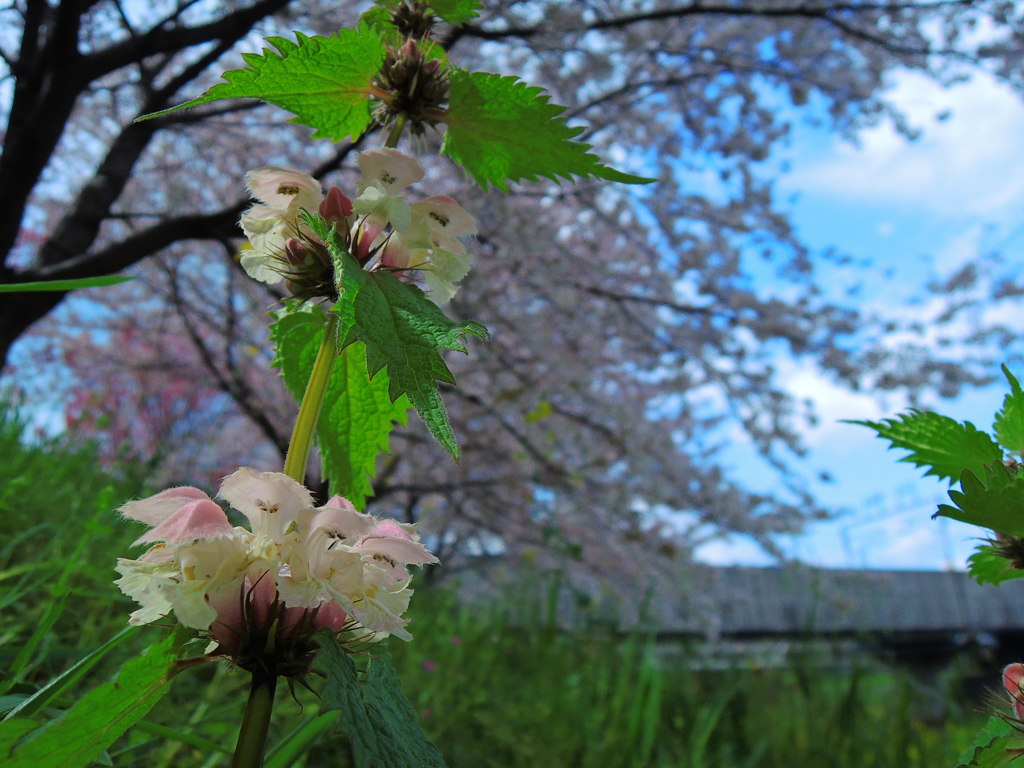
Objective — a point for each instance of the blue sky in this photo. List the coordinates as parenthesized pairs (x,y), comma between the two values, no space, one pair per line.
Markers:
(918,208)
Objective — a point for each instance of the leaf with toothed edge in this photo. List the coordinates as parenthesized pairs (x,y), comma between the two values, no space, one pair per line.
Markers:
(455,11)
(992,498)
(377,718)
(358,414)
(996,745)
(1009,423)
(500,129)
(987,567)
(404,333)
(945,446)
(323,81)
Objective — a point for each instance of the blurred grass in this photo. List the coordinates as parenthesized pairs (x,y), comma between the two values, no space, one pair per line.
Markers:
(490,691)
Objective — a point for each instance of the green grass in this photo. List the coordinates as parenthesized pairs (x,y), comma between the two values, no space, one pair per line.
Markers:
(490,691)
(492,695)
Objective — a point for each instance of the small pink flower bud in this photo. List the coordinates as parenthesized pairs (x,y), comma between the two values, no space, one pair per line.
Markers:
(1012,676)
(330,615)
(335,207)
(295,251)
(409,49)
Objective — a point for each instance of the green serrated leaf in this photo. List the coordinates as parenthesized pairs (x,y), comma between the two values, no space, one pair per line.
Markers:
(1009,423)
(500,129)
(378,18)
(945,446)
(358,414)
(992,499)
(65,285)
(456,11)
(997,744)
(377,718)
(988,567)
(403,332)
(323,81)
(96,720)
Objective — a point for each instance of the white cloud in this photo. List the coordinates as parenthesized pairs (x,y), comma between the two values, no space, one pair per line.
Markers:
(832,403)
(969,164)
(732,550)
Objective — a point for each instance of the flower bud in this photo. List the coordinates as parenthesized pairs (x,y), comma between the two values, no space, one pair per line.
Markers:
(335,208)
(1012,676)
(296,253)
(410,85)
(413,20)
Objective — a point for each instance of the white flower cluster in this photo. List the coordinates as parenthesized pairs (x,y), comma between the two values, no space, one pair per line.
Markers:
(383,229)
(337,566)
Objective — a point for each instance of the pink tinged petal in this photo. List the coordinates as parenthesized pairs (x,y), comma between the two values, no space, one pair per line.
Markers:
(445,216)
(296,253)
(364,234)
(341,522)
(1012,677)
(227,628)
(340,502)
(157,508)
(251,595)
(396,255)
(261,592)
(335,207)
(391,528)
(330,615)
(399,550)
(201,519)
(271,500)
(393,169)
(259,219)
(278,187)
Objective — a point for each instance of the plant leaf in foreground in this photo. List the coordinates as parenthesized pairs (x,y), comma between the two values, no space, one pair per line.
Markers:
(403,331)
(96,720)
(992,746)
(456,11)
(376,715)
(1009,423)
(993,498)
(989,567)
(358,413)
(500,129)
(945,446)
(65,285)
(324,81)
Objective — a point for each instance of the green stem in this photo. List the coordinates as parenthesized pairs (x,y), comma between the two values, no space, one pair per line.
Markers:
(252,737)
(396,131)
(312,401)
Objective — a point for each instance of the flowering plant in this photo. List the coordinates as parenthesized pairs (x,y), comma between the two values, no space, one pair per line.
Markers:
(328,566)
(358,340)
(990,494)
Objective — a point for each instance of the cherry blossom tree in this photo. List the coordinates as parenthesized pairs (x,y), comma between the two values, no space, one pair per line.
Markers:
(630,339)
